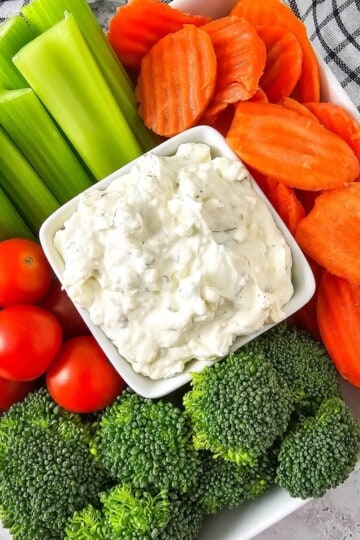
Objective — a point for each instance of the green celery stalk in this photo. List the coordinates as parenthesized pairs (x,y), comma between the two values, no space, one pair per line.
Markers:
(14,33)
(27,122)
(12,224)
(22,185)
(61,69)
(42,14)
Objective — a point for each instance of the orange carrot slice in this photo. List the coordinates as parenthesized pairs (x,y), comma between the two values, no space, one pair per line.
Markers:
(307,199)
(306,317)
(241,56)
(283,61)
(296,150)
(330,232)
(266,183)
(294,105)
(259,96)
(338,315)
(288,206)
(177,81)
(223,121)
(212,112)
(284,200)
(355,145)
(219,113)
(274,12)
(339,121)
(138,25)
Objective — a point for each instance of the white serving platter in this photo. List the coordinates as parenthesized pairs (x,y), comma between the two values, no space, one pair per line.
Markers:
(253,518)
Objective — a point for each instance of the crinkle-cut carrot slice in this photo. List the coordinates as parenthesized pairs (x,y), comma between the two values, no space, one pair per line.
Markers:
(283,61)
(274,12)
(330,232)
(339,121)
(288,206)
(223,121)
(338,315)
(266,183)
(176,81)
(259,95)
(139,24)
(355,144)
(220,114)
(306,317)
(296,150)
(284,200)
(307,199)
(212,112)
(295,105)
(241,56)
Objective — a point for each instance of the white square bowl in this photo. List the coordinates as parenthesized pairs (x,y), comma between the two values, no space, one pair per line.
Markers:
(302,277)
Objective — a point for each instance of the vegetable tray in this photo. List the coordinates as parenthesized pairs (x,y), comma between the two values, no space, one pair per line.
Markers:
(251,519)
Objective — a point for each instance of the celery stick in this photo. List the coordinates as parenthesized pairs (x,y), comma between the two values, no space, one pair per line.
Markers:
(22,185)
(14,33)
(11,223)
(60,68)
(42,14)
(27,122)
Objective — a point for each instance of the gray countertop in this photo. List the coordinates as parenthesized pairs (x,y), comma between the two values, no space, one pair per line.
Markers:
(336,516)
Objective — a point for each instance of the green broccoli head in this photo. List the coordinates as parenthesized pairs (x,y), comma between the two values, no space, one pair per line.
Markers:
(186,518)
(135,513)
(147,444)
(321,453)
(46,469)
(239,406)
(87,524)
(128,512)
(225,484)
(304,364)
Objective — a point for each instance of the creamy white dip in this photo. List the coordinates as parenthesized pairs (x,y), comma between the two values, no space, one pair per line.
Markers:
(175,259)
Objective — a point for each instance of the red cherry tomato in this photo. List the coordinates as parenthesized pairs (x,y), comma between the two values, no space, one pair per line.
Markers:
(81,379)
(30,337)
(58,302)
(25,274)
(11,392)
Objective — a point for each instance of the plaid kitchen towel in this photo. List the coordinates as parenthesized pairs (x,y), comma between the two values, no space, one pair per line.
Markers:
(10,7)
(333,27)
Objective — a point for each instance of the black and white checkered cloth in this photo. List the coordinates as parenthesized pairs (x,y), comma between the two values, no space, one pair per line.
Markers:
(10,7)
(333,26)
(334,29)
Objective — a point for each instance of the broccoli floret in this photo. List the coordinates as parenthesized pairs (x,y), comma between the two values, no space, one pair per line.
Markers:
(134,513)
(239,406)
(140,515)
(321,453)
(304,364)
(147,444)
(46,469)
(88,524)
(186,518)
(225,484)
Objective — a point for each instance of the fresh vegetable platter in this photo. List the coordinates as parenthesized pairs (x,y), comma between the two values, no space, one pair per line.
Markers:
(160,466)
